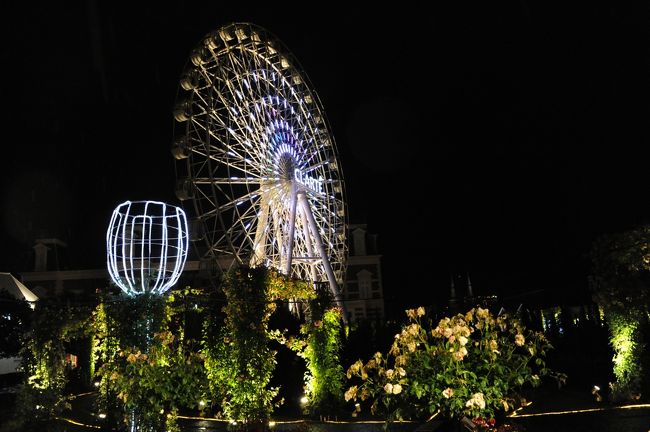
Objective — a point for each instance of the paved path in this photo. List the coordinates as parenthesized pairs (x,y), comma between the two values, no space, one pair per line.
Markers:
(537,417)
(615,420)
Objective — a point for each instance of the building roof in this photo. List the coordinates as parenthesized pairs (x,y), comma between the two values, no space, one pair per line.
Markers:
(16,288)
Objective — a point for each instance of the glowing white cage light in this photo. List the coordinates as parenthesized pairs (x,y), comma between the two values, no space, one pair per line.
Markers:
(146,245)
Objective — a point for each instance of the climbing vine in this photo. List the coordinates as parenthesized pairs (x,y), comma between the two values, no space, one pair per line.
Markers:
(320,346)
(240,362)
(41,398)
(620,282)
(148,370)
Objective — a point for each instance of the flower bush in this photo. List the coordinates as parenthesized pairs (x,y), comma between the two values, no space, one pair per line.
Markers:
(240,362)
(470,365)
(148,376)
(158,383)
(320,346)
(42,397)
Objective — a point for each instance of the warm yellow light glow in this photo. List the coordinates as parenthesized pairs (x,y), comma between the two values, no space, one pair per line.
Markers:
(102,416)
(271,423)
(202,418)
(77,423)
(368,422)
(304,400)
(285,422)
(557,412)
(514,414)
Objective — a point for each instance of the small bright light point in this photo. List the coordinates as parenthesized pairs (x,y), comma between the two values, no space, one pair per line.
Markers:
(233,422)
(596,388)
(271,423)
(357,404)
(201,403)
(304,400)
(101,415)
(96,383)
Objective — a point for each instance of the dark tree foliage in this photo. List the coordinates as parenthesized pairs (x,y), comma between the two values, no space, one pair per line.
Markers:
(620,282)
(14,320)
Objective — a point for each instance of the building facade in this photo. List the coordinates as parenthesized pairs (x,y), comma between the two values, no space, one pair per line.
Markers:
(363,293)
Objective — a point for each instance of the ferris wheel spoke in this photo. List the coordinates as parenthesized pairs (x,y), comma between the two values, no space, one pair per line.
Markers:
(228,150)
(249,198)
(231,180)
(318,166)
(240,137)
(254,203)
(240,170)
(214,152)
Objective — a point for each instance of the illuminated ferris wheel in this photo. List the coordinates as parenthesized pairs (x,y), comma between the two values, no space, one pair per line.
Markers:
(257,160)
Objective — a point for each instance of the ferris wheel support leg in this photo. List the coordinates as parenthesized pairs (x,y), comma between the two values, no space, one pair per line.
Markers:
(321,249)
(259,246)
(292,227)
(310,248)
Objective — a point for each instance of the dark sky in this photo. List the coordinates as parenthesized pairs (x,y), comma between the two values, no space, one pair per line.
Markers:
(498,140)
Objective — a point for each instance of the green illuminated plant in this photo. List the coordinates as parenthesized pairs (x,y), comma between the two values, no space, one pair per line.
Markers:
(321,348)
(153,376)
(41,398)
(239,362)
(620,282)
(628,368)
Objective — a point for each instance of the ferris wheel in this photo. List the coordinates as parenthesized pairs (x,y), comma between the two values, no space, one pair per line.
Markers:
(256,159)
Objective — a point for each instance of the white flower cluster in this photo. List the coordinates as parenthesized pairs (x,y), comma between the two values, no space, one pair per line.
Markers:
(393,388)
(477,401)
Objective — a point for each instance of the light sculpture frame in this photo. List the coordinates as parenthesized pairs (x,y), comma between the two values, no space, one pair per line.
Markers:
(146,244)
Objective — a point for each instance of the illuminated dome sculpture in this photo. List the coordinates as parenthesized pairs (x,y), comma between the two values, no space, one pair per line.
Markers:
(146,246)
(256,158)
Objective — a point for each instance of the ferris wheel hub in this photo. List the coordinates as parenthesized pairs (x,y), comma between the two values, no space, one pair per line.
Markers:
(287,167)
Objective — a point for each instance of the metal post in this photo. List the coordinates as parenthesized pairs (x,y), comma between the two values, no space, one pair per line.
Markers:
(259,243)
(292,226)
(321,249)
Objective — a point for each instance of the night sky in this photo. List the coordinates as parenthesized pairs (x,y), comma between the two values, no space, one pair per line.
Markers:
(497,141)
